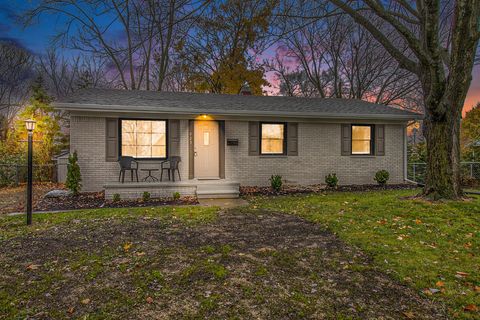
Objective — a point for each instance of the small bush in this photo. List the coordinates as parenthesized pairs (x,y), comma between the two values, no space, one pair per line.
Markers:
(176,196)
(276,182)
(116,197)
(74,178)
(382,177)
(331,180)
(146,196)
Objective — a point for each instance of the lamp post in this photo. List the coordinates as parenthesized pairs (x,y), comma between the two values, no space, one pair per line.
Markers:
(30,125)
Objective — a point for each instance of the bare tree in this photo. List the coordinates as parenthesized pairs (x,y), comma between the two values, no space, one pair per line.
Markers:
(63,76)
(441,39)
(16,73)
(135,36)
(341,59)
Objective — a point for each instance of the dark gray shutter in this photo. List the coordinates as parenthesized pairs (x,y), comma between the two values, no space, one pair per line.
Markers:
(292,139)
(111,143)
(346,139)
(253,138)
(380,140)
(173,137)
(221,136)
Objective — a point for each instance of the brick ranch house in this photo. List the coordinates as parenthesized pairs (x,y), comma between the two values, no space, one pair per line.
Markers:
(229,140)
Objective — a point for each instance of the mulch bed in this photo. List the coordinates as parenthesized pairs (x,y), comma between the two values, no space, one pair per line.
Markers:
(319,188)
(92,200)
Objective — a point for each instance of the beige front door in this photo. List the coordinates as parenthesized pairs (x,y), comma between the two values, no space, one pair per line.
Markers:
(206,150)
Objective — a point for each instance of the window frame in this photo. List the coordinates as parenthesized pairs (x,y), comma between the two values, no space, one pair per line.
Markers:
(372,139)
(284,151)
(143,119)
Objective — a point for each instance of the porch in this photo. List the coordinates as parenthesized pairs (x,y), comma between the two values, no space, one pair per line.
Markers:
(219,188)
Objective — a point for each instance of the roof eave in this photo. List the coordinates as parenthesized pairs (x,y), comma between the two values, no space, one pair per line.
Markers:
(149,109)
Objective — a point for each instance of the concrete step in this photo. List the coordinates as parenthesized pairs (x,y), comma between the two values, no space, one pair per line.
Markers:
(218,190)
(217,194)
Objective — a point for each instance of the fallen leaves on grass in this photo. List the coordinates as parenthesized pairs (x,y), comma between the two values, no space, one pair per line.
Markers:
(409,315)
(430,291)
(85,301)
(460,274)
(440,284)
(149,300)
(471,308)
(127,246)
(33,266)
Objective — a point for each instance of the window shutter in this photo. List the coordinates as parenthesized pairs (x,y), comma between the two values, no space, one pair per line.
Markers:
(346,139)
(380,140)
(111,143)
(253,138)
(173,137)
(292,139)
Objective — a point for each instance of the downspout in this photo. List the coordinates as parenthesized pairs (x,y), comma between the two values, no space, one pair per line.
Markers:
(405,156)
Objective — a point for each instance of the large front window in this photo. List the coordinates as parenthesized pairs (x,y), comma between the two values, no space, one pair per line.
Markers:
(272,138)
(362,139)
(144,138)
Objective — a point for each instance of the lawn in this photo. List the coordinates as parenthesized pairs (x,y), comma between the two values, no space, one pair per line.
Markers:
(432,247)
(272,260)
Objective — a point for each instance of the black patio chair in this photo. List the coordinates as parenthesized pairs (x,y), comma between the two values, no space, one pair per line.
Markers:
(171,165)
(127,164)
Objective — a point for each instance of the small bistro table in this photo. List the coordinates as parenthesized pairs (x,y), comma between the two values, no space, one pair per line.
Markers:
(149,176)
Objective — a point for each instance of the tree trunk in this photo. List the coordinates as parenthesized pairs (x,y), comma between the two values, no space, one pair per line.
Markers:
(443,160)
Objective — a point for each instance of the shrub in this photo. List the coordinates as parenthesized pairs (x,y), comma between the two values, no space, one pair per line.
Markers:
(331,180)
(74,177)
(382,177)
(176,196)
(146,196)
(276,182)
(116,197)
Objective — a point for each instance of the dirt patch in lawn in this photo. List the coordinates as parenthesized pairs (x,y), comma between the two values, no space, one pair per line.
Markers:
(242,265)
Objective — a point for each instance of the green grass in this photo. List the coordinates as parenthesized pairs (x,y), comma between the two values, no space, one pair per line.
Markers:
(417,242)
(12,226)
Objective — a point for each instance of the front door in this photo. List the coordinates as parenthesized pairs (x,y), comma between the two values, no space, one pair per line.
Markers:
(206,150)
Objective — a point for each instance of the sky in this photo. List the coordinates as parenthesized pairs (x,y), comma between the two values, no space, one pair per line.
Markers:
(37,38)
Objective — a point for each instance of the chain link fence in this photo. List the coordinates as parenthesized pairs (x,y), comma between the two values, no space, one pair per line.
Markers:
(470,173)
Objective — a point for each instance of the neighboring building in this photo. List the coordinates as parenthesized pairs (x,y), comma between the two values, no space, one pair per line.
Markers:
(226,140)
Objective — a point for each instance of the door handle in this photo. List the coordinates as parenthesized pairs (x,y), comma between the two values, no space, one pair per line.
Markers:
(195,153)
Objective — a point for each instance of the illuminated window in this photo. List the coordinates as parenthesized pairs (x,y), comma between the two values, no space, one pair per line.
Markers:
(272,138)
(362,139)
(144,138)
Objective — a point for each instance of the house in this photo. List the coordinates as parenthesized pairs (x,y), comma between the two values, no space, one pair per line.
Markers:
(229,140)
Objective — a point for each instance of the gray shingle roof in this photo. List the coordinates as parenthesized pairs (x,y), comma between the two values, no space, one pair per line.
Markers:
(198,103)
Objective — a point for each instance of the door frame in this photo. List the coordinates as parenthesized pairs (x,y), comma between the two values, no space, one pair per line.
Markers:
(191,148)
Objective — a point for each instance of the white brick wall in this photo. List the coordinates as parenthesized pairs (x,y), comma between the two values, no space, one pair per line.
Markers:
(319,154)
(87,137)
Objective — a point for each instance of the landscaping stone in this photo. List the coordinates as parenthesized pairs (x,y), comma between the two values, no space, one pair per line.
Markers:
(57,193)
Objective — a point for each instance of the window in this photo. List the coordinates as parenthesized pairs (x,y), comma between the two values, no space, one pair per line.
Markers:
(144,138)
(362,138)
(272,138)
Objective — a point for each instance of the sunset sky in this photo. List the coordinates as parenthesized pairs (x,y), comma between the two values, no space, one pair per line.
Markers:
(37,39)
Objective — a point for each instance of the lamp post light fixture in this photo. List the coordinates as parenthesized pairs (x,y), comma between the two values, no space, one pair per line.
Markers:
(30,125)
